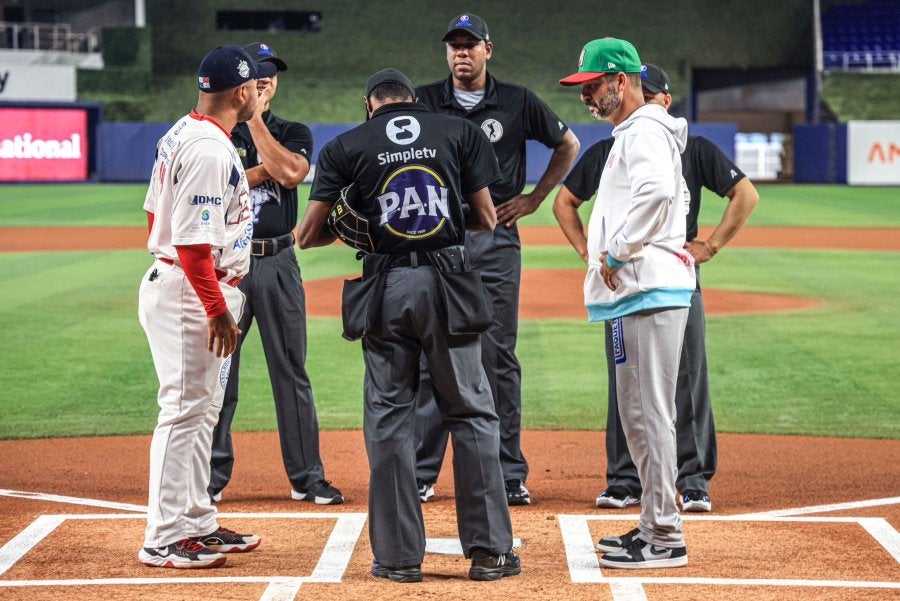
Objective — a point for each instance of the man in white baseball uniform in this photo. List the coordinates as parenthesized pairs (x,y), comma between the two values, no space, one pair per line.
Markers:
(200,230)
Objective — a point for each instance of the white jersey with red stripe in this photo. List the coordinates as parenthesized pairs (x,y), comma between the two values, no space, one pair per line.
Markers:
(199,194)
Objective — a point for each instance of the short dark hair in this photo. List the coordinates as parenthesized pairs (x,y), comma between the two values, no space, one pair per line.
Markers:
(390,89)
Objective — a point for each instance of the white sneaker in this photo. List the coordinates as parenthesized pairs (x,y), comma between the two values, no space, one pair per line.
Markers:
(616,497)
(643,555)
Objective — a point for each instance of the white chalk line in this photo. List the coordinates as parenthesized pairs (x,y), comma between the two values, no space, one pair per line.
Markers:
(40,496)
(823,508)
(584,565)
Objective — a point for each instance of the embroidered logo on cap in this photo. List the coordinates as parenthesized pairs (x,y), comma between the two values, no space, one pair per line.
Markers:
(463,21)
(204,83)
(581,58)
(264,50)
(244,69)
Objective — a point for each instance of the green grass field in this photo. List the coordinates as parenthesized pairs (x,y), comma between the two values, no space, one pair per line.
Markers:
(74,361)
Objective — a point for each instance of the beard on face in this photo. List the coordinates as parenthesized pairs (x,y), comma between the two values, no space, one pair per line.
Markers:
(609,102)
(249,107)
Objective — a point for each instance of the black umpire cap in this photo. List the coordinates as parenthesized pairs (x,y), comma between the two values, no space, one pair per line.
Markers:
(263,53)
(655,79)
(389,76)
(469,23)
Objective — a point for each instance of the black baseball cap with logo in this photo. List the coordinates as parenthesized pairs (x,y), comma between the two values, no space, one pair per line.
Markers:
(262,52)
(230,66)
(655,79)
(469,23)
(389,76)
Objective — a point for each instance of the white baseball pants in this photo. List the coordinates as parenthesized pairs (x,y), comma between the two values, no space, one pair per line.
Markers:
(191,386)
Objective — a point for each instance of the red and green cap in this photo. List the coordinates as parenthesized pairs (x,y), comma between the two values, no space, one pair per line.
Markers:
(606,55)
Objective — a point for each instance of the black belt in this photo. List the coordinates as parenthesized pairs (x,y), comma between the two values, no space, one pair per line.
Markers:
(265,247)
(414,258)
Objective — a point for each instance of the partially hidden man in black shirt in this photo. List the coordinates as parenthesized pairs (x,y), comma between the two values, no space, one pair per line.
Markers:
(275,153)
(508,115)
(413,170)
(703,165)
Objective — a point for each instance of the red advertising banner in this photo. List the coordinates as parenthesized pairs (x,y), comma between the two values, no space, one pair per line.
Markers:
(43,144)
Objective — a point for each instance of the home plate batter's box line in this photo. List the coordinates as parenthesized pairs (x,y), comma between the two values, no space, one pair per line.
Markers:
(584,565)
(330,569)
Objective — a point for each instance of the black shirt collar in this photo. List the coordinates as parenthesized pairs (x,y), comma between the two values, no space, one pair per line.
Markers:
(399,106)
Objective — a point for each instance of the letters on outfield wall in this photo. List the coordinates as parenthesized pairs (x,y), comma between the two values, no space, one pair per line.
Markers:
(43,144)
(37,83)
(873,152)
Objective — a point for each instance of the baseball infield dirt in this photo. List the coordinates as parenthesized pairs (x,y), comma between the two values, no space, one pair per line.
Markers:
(811,519)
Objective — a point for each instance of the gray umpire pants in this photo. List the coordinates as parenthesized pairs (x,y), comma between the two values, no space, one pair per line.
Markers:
(413,322)
(275,296)
(647,347)
(695,430)
(498,255)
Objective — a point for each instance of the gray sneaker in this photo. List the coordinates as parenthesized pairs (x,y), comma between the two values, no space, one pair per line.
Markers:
(643,555)
(494,567)
(611,544)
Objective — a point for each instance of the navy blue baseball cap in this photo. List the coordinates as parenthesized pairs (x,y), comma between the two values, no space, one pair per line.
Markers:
(230,66)
(469,23)
(262,52)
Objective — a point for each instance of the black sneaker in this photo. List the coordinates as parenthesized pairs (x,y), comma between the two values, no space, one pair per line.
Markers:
(401,574)
(516,493)
(695,500)
(616,497)
(426,490)
(321,493)
(186,554)
(224,540)
(611,544)
(494,567)
(643,555)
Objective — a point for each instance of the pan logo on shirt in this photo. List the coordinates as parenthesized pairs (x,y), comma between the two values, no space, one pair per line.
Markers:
(414,202)
(204,216)
(403,130)
(492,129)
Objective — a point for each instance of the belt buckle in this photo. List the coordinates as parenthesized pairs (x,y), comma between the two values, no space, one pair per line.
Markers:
(257,248)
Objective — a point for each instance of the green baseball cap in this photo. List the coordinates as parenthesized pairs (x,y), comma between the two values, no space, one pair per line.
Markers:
(606,55)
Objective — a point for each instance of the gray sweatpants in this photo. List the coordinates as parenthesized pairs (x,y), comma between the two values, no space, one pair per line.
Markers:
(412,323)
(695,429)
(647,348)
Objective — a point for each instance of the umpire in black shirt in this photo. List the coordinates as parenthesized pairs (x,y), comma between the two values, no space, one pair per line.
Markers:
(413,169)
(275,153)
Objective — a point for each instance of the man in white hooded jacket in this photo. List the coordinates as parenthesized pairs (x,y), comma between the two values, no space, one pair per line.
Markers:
(641,278)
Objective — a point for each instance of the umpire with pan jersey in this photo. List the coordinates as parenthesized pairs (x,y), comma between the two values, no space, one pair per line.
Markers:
(412,171)
(275,154)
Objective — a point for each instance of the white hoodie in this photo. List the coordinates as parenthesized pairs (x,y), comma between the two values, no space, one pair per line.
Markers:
(639,219)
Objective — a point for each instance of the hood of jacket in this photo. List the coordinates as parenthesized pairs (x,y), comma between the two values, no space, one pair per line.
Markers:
(676,125)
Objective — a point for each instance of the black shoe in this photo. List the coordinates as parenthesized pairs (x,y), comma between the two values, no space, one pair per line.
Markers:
(611,544)
(401,574)
(616,497)
(426,490)
(494,567)
(695,500)
(320,493)
(516,493)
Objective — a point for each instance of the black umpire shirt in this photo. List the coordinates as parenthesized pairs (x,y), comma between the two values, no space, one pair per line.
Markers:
(508,115)
(412,168)
(274,206)
(702,165)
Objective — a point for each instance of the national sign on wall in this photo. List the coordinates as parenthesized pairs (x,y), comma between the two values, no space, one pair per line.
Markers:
(43,144)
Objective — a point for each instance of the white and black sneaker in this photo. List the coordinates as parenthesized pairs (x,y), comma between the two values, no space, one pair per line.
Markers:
(616,497)
(186,554)
(641,555)
(695,500)
(426,490)
(516,493)
(223,540)
(611,544)
(320,493)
